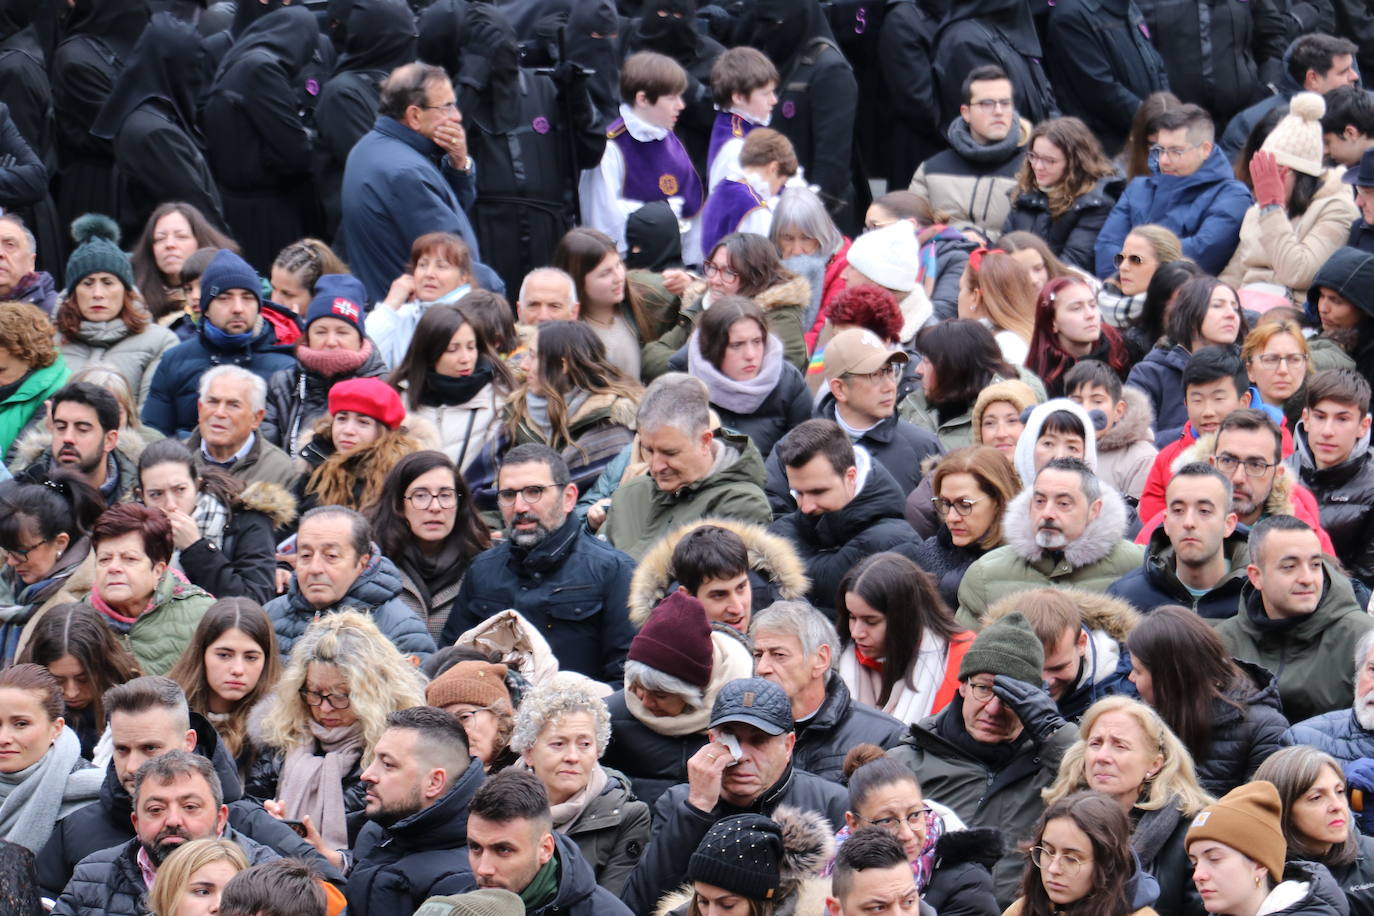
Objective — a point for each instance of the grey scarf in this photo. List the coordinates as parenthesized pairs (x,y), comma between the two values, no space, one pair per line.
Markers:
(537,408)
(102,334)
(1152,831)
(211,517)
(733,395)
(32,799)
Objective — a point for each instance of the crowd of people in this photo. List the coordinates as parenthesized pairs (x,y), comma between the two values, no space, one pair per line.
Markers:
(769,457)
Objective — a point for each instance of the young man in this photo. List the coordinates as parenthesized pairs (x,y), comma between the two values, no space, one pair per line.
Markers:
(743,201)
(744,84)
(83,438)
(1333,460)
(644,160)
(1348,127)
(872,875)
(1125,447)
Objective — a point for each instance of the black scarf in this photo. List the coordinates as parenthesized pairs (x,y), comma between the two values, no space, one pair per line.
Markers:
(450,390)
(433,573)
(950,726)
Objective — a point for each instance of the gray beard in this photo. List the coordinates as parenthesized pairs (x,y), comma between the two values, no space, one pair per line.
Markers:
(1364,713)
(1051,539)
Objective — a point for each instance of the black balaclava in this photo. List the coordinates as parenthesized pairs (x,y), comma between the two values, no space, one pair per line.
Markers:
(15,15)
(441,35)
(783,29)
(592,40)
(381,36)
(653,239)
(670,27)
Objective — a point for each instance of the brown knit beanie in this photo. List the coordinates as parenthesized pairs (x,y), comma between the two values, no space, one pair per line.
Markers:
(478,683)
(1249,819)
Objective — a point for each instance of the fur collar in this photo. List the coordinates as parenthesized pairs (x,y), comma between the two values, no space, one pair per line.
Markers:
(1280,501)
(1134,426)
(1098,540)
(271,499)
(1101,612)
(795,292)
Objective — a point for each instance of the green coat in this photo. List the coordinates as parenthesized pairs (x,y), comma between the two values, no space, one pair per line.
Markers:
(1312,659)
(641,513)
(956,432)
(159,635)
(18,409)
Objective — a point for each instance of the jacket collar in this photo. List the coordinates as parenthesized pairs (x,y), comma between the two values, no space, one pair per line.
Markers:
(1161,565)
(550,553)
(390,127)
(443,824)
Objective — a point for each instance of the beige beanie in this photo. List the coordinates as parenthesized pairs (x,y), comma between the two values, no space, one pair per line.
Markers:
(1297,141)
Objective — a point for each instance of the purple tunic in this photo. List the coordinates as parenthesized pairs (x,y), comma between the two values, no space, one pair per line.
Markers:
(729,203)
(727,127)
(657,169)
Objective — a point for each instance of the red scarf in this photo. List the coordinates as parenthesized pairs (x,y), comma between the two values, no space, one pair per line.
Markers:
(874,663)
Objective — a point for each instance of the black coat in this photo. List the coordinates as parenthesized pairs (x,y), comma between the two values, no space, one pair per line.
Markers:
(1345,496)
(998,32)
(578,893)
(653,762)
(396,868)
(24,88)
(939,556)
(1155,583)
(1243,738)
(245,562)
(824,740)
(906,48)
(265,775)
(1071,235)
(961,884)
(1357,878)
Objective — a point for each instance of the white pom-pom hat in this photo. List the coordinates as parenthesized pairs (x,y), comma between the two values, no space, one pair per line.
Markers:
(1297,141)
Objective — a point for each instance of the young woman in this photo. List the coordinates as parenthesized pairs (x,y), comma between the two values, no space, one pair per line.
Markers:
(222,530)
(753,388)
(972,487)
(426,522)
(475,693)
(944,249)
(77,648)
(1145,330)
(949,861)
(1081,863)
(31,370)
(298,268)
(1069,328)
(42,775)
(1277,357)
(229,665)
(356,445)
(561,732)
(1058,428)
(190,881)
(902,647)
(328,710)
(174,231)
(440,273)
(102,319)
(1033,253)
(1142,251)
(1224,710)
(997,291)
(1064,190)
(452,376)
(44,531)
(812,246)
(1126,752)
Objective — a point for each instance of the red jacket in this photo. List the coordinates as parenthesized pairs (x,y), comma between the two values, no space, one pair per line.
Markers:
(1162,471)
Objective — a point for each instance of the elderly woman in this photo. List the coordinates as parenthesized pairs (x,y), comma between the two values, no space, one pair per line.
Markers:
(31,369)
(141,597)
(811,245)
(475,693)
(675,667)
(1127,752)
(560,734)
(440,273)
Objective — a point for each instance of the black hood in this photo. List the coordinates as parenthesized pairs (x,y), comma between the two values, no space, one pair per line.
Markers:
(784,28)
(653,239)
(1010,17)
(669,27)
(15,15)
(336,13)
(248,12)
(441,30)
(171,63)
(286,38)
(119,20)
(490,73)
(1349,272)
(379,35)
(592,40)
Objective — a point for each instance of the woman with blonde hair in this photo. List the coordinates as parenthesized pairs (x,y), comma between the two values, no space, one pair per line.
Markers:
(190,881)
(997,291)
(1127,752)
(1122,297)
(326,714)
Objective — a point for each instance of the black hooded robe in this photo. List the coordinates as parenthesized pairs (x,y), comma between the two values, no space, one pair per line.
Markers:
(256,138)
(24,88)
(592,40)
(998,32)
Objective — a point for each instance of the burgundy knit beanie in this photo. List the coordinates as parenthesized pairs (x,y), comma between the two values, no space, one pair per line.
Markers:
(676,640)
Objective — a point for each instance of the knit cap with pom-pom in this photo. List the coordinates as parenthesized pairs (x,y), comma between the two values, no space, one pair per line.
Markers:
(97,251)
(1297,141)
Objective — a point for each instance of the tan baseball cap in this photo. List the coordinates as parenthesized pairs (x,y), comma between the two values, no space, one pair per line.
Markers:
(858,351)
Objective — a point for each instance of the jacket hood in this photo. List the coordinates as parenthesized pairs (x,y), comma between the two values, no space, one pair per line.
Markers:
(976,845)
(1024,456)
(271,499)
(1307,889)
(576,880)
(991,154)
(1304,464)
(1099,538)
(771,556)
(443,824)
(1260,688)
(1014,391)
(1349,272)
(1134,426)
(37,443)
(878,498)
(1101,612)
(793,292)
(1337,601)
(1142,890)
(378,584)
(380,35)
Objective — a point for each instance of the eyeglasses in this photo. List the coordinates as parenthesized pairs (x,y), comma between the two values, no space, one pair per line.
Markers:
(1037,159)
(981,692)
(887,373)
(23,555)
(531,494)
(1120,257)
(987,106)
(914,819)
(1254,467)
(335,700)
(964,507)
(447,108)
(1043,858)
(1172,152)
(421,499)
(1272,360)
(465,717)
(725,273)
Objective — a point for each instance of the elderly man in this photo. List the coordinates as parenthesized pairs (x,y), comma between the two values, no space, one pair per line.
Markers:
(746,766)
(339,567)
(238,327)
(19,281)
(408,176)
(230,409)
(84,426)
(797,648)
(694,471)
(989,753)
(568,584)
(1346,734)
(547,294)
(1063,529)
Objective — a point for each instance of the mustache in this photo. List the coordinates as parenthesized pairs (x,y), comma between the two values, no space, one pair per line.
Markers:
(1050,526)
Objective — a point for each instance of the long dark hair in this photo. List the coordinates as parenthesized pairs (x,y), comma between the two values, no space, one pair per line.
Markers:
(387,514)
(149,278)
(713,328)
(1167,279)
(1184,325)
(1109,832)
(65,504)
(80,631)
(579,252)
(1190,669)
(432,335)
(966,358)
(899,589)
(1049,360)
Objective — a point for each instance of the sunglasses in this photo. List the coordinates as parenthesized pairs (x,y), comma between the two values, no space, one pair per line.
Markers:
(1120,257)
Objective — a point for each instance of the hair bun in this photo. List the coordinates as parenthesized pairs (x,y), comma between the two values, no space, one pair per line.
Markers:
(859,755)
(94,226)
(1307,105)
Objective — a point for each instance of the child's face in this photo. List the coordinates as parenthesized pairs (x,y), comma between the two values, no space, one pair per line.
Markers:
(1095,397)
(663,113)
(1210,402)
(758,105)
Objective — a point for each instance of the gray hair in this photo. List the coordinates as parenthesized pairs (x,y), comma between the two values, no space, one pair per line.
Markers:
(151,691)
(1362,649)
(802,210)
(359,527)
(678,400)
(257,388)
(406,86)
(165,768)
(562,695)
(656,681)
(1092,486)
(549,272)
(797,618)
(18,221)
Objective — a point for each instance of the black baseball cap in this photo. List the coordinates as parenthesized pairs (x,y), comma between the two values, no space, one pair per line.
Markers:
(753,701)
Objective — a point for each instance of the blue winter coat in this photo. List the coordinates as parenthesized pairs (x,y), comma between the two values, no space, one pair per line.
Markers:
(1160,376)
(1204,209)
(1337,733)
(377,593)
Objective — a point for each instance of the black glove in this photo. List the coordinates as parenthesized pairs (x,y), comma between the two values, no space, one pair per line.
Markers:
(1032,705)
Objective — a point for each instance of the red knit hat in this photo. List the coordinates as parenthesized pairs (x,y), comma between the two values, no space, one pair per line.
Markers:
(370,397)
(676,640)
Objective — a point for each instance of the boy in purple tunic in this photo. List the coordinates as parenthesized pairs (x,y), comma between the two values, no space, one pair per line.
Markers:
(644,160)
(743,202)
(744,83)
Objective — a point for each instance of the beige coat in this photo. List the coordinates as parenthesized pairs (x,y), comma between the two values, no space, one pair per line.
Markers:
(1275,249)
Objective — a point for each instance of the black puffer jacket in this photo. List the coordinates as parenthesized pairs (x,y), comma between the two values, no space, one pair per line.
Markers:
(297,397)
(1244,738)
(1070,235)
(838,727)
(656,762)
(1345,496)
(939,556)
(961,884)
(1356,880)
(265,774)
(244,564)
(1323,897)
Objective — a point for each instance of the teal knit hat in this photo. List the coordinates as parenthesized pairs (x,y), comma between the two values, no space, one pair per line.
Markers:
(97,251)
(1008,646)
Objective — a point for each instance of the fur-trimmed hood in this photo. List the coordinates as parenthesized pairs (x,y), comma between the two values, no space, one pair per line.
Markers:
(1100,611)
(1097,541)
(272,500)
(618,409)
(1280,501)
(794,292)
(1134,426)
(977,845)
(770,556)
(33,444)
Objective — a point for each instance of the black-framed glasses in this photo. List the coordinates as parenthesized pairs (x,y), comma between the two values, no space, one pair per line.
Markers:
(1121,257)
(914,819)
(23,555)
(889,372)
(531,494)
(1043,859)
(715,270)
(991,105)
(421,499)
(964,507)
(1254,467)
(334,700)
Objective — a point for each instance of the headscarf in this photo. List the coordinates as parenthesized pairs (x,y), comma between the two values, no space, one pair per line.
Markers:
(491,68)
(1010,17)
(379,35)
(783,29)
(170,63)
(602,54)
(122,21)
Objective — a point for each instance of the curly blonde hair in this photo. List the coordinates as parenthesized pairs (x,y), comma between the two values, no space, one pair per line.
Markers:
(380,680)
(564,694)
(1176,782)
(28,334)
(187,859)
